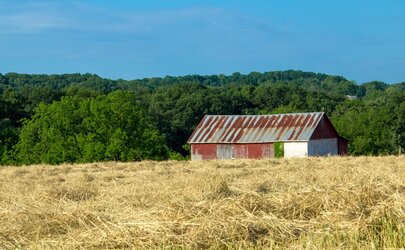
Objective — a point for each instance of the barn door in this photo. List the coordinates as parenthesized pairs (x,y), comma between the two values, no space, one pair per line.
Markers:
(224,151)
(239,152)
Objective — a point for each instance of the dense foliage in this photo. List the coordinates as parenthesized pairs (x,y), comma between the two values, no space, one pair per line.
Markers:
(81,118)
(112,127)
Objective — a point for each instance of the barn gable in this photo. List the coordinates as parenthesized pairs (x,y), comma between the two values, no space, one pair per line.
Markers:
(324,129)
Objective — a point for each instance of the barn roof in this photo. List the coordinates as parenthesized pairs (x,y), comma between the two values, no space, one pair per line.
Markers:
(256,128)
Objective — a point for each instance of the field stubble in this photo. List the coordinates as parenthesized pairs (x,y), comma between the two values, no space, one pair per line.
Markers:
(296,203)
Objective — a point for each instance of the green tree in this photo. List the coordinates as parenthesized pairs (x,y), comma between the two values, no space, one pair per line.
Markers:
(372,126)
(112,127)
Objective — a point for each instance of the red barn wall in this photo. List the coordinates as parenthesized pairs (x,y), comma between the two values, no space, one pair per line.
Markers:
(342,144)
(253,150)
(239,151)
(206,151)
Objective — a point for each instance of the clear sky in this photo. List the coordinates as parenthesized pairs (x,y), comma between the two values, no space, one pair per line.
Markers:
(360,40)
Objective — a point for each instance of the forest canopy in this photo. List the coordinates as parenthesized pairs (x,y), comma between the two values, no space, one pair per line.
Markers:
(84,118)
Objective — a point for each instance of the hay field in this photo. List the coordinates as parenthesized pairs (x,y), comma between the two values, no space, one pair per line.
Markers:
(312,203)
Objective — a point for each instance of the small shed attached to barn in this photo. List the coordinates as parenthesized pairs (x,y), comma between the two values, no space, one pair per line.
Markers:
(265,136)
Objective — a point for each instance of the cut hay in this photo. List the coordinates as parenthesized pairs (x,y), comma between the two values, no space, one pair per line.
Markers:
(295,203)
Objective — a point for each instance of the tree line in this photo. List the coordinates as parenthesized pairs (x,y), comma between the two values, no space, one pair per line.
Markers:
(84,118)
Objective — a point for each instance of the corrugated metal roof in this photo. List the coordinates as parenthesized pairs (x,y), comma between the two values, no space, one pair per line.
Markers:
(255,128)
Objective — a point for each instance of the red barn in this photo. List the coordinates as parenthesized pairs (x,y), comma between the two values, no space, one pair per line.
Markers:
(265,136)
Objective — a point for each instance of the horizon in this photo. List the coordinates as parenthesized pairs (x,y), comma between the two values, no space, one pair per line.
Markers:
(207,75)
(131,40)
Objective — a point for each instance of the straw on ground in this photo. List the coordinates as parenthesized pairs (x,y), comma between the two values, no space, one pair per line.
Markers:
(296,203)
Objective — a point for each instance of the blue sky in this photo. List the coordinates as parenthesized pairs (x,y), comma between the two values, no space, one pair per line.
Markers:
(360,40)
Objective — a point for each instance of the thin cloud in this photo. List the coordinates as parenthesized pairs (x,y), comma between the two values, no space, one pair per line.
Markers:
(39,17)
(94,32)
(24,17)
(33,22)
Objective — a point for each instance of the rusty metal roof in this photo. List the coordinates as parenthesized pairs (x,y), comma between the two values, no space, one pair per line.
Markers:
(255,128)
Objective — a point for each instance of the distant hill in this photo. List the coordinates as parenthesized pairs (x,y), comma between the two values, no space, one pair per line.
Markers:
(371,115)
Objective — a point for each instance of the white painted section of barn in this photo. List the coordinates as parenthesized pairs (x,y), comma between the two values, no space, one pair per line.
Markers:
(196,157)
(295,149)
(323,147)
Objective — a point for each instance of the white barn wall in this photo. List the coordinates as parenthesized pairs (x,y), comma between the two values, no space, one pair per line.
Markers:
(321,147)
(295,149)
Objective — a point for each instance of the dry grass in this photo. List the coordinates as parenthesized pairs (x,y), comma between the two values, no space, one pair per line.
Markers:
(297,203)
